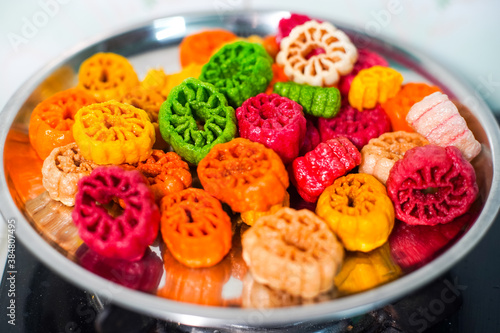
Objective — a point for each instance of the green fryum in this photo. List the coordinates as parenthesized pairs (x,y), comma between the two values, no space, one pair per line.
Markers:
(316,101)
(194,118)
(239,70)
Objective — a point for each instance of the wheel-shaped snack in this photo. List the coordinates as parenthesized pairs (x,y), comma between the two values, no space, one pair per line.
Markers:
(293,251)
(366,59)
(62,170)
(438,119)
(317,169)
(166,172)
(359,127)
(398,106)
(276,122)
(195,228)
(380,154)
(194,118)
(358,210)
(244,174)
(107,76)
(322,69)
(127,235)
(113,133)
(52,120)
(239,70)
(149,100)
(316,101)
(432,185)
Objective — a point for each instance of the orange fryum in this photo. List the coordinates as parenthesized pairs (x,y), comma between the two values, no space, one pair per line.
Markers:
(23,167)
(173,80)
(155,79)
(397,107)
(195,228)
(278,76)
(244,174)
(202,286)
(52,120)
(166,172)
(199,47)
(107,76)
(271,46)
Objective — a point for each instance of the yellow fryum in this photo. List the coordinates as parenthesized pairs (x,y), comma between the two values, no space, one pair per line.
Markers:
(113,133)
(252,216)
(107,76)
(374,85)
(363,271)
(173,80)
(358,210)
(155,79)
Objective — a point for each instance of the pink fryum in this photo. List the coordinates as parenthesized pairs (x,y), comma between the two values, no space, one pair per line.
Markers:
(127,235)
(286,25)
(357,126)
(319,168)
(276,122)
(366,59)
(431,185)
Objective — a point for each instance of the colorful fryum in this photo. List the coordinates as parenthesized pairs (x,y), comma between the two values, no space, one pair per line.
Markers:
(432,185)
(366,59)
(107,76)
(244,174)
(293,251)
(380,154)
(194,118)
(358,210)
(316,101)
(166,172)
(113,133)
(62,170)
(239,70)
(115,233)
(304,64)
(195,228)
(359,127)
(199,47)
(438,119)
(319,168)
(373,86)
(276,122)
(398,106)
(52,120)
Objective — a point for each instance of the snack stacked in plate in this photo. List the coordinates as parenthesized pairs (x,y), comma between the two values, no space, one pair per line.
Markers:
(303,117)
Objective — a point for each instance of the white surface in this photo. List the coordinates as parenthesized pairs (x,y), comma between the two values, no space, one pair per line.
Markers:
(459,33)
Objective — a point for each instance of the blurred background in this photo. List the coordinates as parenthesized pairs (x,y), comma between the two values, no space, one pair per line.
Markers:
(462,34)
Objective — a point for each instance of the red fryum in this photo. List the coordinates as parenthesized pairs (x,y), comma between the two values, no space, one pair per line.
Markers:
(317,170)
(286,25)
(311,139)
(276,122)
(128,235)
(415,245)
(359,127)
(431,185)
(366,59)
(144,274)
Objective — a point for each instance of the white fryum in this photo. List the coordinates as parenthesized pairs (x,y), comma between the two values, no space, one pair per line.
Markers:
(322,69)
